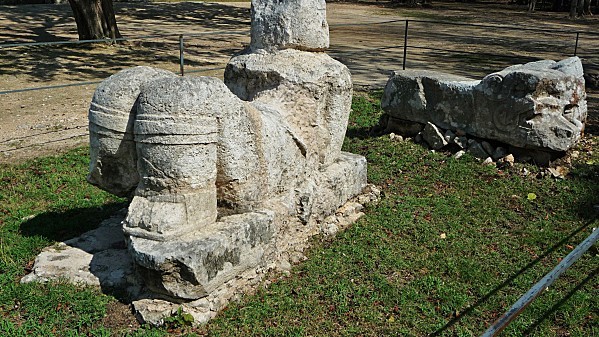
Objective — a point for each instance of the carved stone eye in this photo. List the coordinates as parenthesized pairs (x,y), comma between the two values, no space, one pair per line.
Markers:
(494,81)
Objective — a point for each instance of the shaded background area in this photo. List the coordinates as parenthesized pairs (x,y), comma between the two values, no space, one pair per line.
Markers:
(368,37)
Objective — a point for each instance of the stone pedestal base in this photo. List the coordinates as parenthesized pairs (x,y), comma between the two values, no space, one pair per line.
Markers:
(205,270)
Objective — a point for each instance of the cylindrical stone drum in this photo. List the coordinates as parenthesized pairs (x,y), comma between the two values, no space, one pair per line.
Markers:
(176,134)
(113,160)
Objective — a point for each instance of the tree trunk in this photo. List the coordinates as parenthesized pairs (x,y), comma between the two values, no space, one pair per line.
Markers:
(580,8)
(558,5)
(531,5)
(587,7)
(573,9)
(95,19)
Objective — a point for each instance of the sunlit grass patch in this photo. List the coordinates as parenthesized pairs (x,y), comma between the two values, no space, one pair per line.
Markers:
(448,248)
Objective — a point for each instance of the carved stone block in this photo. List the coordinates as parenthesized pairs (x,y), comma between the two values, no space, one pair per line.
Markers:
(284,24)
(539,105)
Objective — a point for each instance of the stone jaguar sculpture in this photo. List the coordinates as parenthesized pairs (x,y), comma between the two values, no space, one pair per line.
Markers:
(223,175)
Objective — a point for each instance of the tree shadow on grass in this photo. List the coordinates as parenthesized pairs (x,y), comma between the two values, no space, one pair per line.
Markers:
(561,302)
(467,311)
(585,174)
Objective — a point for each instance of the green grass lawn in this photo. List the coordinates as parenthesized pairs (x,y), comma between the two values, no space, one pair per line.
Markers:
(449,247)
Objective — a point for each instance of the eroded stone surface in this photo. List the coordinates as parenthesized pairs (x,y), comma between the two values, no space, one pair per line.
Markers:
(290,244)
(538,105)
(113,159)
(312,92)
(298,24)
(195,265)
(176,133)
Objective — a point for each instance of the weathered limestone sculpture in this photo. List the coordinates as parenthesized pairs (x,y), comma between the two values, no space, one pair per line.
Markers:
(297,24)
(228,179)
(539,105)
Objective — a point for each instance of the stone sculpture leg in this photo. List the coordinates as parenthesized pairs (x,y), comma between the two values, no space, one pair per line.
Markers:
(113,159)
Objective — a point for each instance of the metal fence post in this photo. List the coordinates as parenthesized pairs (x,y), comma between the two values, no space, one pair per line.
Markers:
(181,59)
(576,45)
(405,45)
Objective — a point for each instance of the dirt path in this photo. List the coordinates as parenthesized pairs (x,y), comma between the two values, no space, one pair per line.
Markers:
(46,121)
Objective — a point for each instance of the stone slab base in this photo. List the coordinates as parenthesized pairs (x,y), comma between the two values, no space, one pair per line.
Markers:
(100,258)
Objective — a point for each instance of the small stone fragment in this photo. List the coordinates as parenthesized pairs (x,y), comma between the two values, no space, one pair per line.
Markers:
(462,142)
(477,150)
(395,137)
(459,154)
(297,257)
(449,136)
(433,136)
(558,172)
(499,152)
(509,159)
(488,161)
(330,229)
(153,311)
(487,147)
(285,265)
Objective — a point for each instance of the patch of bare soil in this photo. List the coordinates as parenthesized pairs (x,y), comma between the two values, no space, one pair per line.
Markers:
(39,115)
(119,318)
